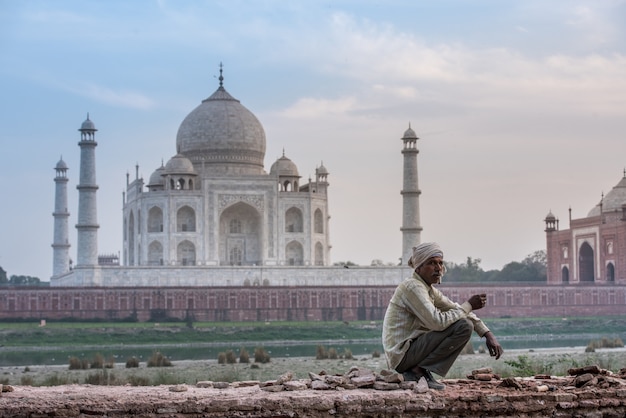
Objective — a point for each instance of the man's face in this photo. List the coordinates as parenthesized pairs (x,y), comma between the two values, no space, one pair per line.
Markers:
(431,271)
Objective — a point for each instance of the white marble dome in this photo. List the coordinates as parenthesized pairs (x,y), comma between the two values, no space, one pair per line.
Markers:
(222,132)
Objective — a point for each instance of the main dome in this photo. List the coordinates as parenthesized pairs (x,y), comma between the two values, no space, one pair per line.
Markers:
(222,135)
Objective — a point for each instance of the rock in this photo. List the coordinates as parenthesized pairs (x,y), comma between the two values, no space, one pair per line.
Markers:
(295,385)
(485,377)
(320,385)
(379,385)
(363,381)
(510,382)
(421,386)
(583,370)
(286,377)
(484,370)
(204,384)
(221,385)
(273,388)
(178,388)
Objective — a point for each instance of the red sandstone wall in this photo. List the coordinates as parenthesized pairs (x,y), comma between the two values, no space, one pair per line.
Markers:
(291,303)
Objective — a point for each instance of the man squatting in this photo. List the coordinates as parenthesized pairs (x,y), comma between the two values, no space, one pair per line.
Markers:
(423,330)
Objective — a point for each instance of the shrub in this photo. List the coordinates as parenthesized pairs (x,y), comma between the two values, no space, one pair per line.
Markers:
(332,354)
(97,362)
(261,355)
(375,354)
(78,364)
(132,362)
(25,381)
(138,381)
(221,358)
(103,378)
(158,360)
(244,357)
(321,353)
(231,358)
(347,354)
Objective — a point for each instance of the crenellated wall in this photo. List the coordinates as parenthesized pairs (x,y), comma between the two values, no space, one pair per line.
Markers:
(286,303)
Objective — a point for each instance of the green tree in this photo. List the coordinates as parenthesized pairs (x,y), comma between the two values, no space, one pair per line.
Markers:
(24,281)
(3,277)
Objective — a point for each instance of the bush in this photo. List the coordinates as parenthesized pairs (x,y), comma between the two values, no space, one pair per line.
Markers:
(347,354)
(159,360)
(132,362)
(244,357)
(25,381)
(332,354)
(138,381)
(78,364)
(603,343)
(102,378)
(221,358)
(261,355)
(321,353)
(97,362)
(375,354)
(231,358)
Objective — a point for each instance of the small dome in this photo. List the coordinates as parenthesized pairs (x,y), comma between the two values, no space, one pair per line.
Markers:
(409,134)
(178,164)
(156,178)
(88,125)
(321,170)
(550,217)
(284,167)
(61,165)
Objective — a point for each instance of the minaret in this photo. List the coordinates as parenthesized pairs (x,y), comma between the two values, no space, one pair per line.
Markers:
(411,228)
(60,244)
(87,226)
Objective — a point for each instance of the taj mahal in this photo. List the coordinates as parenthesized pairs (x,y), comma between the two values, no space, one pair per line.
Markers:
(213,216)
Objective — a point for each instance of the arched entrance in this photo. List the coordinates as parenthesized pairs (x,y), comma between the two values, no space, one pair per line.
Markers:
(240,240)
(585,263)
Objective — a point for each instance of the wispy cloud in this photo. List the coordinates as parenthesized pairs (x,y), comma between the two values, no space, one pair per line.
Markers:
(127,99)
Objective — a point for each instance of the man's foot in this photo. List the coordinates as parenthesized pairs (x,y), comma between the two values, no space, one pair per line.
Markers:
(432,382)
(409,376)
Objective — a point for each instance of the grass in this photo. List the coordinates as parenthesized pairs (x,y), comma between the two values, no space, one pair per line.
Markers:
(72,334)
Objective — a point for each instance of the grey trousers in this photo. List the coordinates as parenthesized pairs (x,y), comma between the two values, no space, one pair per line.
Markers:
(436,351)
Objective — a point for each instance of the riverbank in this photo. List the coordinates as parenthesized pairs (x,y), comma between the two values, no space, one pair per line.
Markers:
(551,361)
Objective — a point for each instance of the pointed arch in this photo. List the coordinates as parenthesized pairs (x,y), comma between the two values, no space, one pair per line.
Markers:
(585,263)
(186,219)
(131,239)
(293,220)
(565,274)
(155,254)
(155,219)
(186,253)
(319,254)
(294,254)
(240,235)
(318,221)
(610,272)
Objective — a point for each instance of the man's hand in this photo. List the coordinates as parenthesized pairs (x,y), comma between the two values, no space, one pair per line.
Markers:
(495,349)
(478,301)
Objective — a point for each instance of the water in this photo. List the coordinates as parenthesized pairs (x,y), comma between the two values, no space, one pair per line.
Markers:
(33,356)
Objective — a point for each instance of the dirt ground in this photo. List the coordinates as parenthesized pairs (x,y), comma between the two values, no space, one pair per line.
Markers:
(545,361)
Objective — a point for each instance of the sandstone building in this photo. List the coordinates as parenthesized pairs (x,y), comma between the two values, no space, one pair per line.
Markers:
(593,249)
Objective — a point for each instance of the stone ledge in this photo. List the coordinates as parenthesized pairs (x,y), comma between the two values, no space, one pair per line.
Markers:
(459,399)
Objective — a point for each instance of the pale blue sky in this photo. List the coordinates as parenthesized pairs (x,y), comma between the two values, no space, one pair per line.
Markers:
(520,107)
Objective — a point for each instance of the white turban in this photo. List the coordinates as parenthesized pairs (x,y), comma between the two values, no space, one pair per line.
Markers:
(423,252)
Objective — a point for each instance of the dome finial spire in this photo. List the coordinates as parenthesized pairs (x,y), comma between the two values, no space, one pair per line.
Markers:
(221,77)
